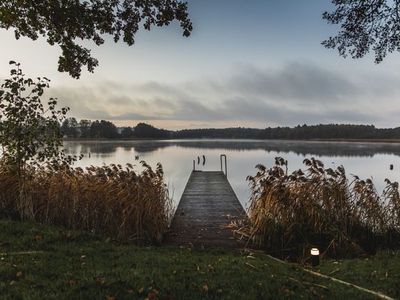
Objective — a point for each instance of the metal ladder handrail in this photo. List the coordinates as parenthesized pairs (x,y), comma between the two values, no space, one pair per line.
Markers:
(220,159)
(226,164)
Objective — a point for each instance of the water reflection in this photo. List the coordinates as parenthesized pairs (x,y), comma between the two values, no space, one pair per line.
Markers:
(369,160)
(316,148)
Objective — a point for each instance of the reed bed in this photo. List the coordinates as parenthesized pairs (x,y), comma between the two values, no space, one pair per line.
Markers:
(320,207)
(111,200)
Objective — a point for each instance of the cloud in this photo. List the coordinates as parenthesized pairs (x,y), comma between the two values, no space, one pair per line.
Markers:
(296,81)
(293,94)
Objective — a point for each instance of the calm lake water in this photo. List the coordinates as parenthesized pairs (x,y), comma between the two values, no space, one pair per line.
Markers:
(368,160)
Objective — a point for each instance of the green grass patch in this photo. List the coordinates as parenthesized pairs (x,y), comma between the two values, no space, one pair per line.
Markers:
(379,273)
(42,262)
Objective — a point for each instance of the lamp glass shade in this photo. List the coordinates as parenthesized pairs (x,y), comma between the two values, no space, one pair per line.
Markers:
(314,251)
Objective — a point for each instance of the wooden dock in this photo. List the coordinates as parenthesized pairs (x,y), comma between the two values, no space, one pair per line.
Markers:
(207,206)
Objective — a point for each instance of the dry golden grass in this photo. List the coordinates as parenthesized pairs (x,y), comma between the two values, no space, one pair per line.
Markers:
(111,200)
(318,207)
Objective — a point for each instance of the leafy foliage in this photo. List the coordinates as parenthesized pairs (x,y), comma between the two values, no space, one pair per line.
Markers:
(143,130)
(321,131)
(69,127)
(365,25)
(291,213)
(103,129)
(63,22)
(29,130)
(95,129)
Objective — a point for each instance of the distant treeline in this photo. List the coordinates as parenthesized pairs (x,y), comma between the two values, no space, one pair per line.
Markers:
(71,128)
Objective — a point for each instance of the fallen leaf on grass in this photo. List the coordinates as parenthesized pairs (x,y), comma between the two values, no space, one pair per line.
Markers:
(66,235)
(152,295)
(71,282)
(100,280)
(38,237)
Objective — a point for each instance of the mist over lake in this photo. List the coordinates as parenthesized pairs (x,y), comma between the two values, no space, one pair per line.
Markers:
(367,160)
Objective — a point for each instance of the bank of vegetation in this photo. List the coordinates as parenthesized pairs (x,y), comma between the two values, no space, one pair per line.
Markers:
(290,213)
(111,200)
(87,129)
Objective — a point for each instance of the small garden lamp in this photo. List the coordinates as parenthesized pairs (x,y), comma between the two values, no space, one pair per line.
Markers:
(314,257)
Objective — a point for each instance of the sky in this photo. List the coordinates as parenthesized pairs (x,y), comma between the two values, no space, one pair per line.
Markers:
(252,63)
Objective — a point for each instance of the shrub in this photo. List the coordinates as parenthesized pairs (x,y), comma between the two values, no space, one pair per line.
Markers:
(318,207)
(109,200)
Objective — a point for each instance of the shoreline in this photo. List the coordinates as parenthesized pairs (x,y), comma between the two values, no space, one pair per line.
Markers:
(387,141)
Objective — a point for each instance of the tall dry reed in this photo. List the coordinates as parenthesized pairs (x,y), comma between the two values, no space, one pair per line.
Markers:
(112,200)
(319,207)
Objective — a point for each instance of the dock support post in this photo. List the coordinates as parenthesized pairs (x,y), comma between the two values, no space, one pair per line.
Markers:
(226,167)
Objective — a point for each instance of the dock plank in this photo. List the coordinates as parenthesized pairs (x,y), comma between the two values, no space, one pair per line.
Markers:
(207,206)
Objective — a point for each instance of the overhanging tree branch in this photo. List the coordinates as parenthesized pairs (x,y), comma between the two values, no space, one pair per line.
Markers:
(365,25)
(65,22)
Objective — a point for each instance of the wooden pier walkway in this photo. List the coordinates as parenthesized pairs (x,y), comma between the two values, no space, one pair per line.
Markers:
(207,207)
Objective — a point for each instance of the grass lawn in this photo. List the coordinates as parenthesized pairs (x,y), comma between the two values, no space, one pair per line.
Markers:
(379,273)
(42,262)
